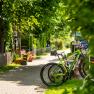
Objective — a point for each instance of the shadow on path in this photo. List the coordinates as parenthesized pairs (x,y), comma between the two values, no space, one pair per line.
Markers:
(25,75)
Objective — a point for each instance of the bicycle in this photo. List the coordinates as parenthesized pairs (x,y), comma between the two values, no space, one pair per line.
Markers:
(58,73)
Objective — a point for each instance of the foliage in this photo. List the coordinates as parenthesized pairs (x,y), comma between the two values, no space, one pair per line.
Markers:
(36,17)
(8,36)
(67,88)
(48,19)
(81,19)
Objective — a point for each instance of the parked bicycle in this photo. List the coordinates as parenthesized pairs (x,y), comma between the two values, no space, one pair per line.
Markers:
(54,74)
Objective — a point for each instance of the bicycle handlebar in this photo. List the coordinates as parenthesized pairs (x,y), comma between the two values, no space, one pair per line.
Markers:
(61,55)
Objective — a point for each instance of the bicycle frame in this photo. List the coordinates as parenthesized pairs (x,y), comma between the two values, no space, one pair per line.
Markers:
(70,65)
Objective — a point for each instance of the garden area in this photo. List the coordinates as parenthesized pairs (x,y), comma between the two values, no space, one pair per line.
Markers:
(30,29)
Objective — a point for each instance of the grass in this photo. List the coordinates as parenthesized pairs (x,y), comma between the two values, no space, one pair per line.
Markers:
(8,67)
(67,88)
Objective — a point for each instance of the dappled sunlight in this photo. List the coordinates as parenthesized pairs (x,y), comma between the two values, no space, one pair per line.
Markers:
(31,33)
(66,88)
(23,76)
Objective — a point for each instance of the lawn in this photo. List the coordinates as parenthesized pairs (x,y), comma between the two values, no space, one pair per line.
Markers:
(8,67)
(67,88)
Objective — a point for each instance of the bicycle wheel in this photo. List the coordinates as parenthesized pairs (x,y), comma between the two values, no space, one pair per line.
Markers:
(56,74)
(52,74)
(83,69)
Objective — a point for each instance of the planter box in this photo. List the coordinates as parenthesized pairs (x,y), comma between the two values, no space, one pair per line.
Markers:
(5,58)
(53,52)
(24,62)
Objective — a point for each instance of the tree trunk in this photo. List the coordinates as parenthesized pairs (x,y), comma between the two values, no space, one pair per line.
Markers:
(1,36)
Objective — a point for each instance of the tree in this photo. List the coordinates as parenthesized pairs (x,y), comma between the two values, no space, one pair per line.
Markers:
(1,29)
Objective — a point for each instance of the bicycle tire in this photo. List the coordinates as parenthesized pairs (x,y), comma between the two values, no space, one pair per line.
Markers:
(82,69)
(50,66)
(55,68)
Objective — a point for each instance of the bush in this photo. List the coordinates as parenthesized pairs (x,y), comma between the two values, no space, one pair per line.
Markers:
(58,44)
